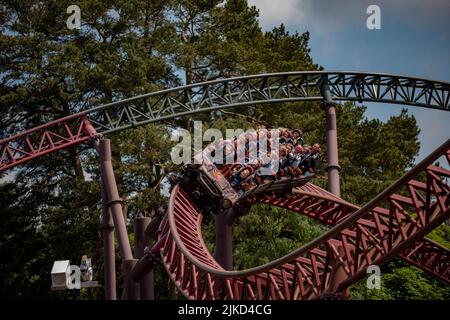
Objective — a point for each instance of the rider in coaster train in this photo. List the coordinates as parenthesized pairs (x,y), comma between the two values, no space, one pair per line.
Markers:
(251,153)
(220,149)
(287,167)
(210,152)
(252,163)
(229,153)
(242,178)
(268,167)
(308,162)
(295,159)
(283,161)
(285,136)
(297,137)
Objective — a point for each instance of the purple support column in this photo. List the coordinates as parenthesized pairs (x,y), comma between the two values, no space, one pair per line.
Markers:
(108,250)
(115,206)
(224,241)
(114,199)
(131,289)
(141,241)
(333,167)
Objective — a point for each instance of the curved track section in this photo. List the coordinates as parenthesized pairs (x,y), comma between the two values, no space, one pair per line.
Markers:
(389,225)
(222,94)
(330,210)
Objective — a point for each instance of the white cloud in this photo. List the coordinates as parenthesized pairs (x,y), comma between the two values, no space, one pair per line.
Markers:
(324,17)
(273,13)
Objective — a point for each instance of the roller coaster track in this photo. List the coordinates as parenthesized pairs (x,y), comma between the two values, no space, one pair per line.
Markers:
(217,95)
(372,234)
(330,210)
(393,223)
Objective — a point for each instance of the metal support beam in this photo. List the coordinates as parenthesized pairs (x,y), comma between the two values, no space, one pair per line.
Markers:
(115,206)
(224,241)
(131,289)
(333,167)
(108,249)
(115,202)
(141,241)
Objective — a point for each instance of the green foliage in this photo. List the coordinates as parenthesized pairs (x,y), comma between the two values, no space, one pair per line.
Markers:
(441,235)
(141,160)
(267,233)
(373,154)
(30,242)
(401,282)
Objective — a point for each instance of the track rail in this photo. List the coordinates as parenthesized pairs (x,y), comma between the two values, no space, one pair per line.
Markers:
(369,235)
(222,94)
(45,139)
(330,210)
(389,225)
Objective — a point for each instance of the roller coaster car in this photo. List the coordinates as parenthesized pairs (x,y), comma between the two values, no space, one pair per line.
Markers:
(207,185)
(212,192)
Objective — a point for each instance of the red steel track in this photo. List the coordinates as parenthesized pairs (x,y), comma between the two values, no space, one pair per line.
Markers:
(393,224)
(39,141)
(328,209)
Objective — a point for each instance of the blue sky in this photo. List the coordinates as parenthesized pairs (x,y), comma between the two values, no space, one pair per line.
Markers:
(414,39)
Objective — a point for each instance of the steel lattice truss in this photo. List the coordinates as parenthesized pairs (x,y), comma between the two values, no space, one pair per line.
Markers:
(269,88)
(392,223)
(221,94)
(43,140)
(328,209)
